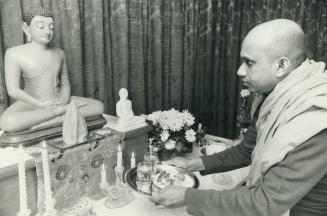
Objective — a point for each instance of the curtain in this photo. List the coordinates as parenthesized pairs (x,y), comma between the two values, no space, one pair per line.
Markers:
(167,53)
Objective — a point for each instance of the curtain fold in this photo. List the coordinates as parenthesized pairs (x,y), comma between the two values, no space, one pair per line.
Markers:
(167,53)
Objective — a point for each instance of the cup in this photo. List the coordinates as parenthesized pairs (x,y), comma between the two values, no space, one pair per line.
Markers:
(153,160)
(143,179)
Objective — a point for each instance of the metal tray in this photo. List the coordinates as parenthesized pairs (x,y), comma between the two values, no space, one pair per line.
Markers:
(130,177)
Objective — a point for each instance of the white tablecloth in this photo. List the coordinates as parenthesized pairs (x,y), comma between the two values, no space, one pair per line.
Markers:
(141,206)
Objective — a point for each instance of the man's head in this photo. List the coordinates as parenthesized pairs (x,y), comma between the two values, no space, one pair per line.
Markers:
(38,25)
(270,51)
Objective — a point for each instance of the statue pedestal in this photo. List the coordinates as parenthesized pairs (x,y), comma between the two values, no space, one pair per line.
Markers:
(136,139)
(74,171)
(34,136)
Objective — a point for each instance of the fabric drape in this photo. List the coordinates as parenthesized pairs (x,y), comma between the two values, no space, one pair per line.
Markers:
(167,53)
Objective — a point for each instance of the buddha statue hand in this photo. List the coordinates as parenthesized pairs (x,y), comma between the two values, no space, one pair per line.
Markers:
(60,110)
(52,103)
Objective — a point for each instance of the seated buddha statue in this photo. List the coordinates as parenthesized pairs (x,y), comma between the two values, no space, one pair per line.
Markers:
(125,112)
(43,69)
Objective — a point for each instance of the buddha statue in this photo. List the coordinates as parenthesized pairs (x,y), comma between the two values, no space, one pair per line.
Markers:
(43,69)
(124,111)
(124,106)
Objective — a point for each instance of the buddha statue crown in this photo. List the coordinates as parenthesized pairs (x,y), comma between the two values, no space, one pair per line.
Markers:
(31,12)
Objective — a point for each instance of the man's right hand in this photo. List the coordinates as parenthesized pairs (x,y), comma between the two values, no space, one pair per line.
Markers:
(178,162)
(195,164)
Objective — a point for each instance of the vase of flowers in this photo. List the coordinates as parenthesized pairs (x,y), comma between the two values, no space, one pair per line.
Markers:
(171,132)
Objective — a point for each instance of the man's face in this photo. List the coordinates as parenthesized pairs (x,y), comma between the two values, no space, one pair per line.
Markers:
(258,67)
(41,29)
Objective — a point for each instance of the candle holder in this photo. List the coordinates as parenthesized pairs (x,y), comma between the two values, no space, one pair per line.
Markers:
(24,210)
(27,212)
(119,194)
(49,200)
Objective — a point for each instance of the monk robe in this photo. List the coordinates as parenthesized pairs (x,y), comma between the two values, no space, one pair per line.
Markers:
(294,111)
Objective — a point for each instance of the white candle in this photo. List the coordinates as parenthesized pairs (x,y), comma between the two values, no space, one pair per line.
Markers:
(103,175)
(22,185)
(150,145)
(133,160)
(119,157)
(49,202)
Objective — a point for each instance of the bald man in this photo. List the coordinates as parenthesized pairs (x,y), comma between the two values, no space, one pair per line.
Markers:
(286,140)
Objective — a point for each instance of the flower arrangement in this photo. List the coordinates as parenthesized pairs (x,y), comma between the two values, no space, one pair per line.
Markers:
(243,118)
(171,129)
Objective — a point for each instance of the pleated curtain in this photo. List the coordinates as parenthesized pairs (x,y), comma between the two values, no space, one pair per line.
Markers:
(180,54)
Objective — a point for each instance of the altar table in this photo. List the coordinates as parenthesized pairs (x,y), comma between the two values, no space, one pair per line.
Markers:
(142,206)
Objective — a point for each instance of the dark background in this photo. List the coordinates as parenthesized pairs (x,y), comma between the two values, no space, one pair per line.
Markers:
(167,53)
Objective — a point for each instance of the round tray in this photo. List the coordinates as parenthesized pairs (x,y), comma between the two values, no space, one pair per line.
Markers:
(130,177)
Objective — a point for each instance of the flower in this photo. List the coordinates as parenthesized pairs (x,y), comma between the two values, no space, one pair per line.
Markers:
(170,144)
(164,136)
(188,118)
(190,135)
(245,93)
(171,127)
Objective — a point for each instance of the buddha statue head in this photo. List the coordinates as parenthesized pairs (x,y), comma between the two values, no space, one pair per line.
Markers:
(123,94)
(38,25)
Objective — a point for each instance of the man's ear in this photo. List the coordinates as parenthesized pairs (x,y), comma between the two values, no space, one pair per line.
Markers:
(283,65)
(26,31)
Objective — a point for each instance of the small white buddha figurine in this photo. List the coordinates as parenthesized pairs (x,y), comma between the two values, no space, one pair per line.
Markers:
(124,106)
(43,69)
(125,112)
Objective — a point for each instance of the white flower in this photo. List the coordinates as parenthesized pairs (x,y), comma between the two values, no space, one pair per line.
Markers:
(154,117)
(188,118)
(245,93)
(190,135)
(176,123)
(164,136)
(170,144)
(171,120)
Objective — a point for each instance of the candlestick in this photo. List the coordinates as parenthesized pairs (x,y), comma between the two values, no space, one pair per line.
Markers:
(119,157)
(103,175)
(133,160)
(49,202)
(150,145)
(24,211)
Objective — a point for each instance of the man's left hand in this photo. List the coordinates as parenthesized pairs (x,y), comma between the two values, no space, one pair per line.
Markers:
(171,196)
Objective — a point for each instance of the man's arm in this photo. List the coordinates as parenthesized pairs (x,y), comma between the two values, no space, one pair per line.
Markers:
(279,189)
(233,158)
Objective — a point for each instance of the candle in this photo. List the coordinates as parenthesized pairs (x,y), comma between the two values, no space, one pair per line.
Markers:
(150,145)
(133,160)
(119,157)
(49,202)
(103,175)
(24,211)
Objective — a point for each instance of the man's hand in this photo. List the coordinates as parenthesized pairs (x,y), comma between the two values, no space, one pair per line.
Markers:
(171,196)
(178,162)
(195,164)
